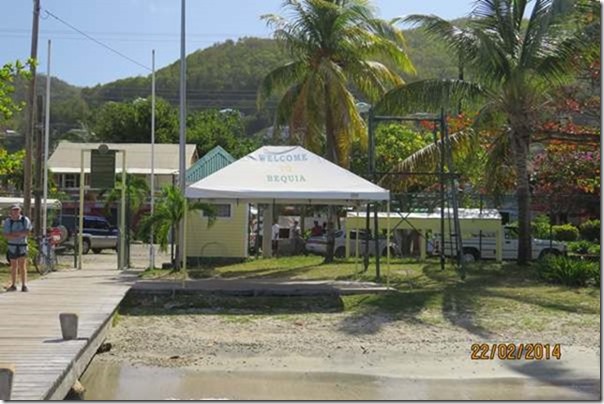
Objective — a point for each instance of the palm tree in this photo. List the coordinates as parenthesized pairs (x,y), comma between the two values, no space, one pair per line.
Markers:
(137,192)
(513,63)
(169,213)
(332,45)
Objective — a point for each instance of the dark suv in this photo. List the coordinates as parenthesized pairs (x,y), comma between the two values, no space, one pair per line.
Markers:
(98,233)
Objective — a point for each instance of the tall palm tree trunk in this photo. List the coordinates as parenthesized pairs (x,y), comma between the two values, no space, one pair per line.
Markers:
(330,154)
(520,145)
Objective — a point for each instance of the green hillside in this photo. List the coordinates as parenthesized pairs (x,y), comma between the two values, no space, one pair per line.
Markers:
(225,75)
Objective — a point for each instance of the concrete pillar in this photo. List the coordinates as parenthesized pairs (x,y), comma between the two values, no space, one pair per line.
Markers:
(499,242)
(267,225)
(7,373)
(422,245)
(69,325)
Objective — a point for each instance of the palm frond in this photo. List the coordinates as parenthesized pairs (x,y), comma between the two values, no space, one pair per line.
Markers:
(427,159)
(455,38)
(373,79)
(499,170)
(278,80)
(427,96)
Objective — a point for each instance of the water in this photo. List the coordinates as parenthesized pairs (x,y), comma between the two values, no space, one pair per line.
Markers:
(115,381)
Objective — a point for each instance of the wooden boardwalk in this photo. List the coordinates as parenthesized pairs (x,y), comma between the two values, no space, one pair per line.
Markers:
(30,333)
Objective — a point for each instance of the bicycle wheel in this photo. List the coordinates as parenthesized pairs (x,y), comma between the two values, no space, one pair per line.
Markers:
(42,263)
(45,260)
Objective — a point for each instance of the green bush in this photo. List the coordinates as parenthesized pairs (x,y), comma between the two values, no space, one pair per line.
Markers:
(3,246)
(595,274)
(540,227)
(565,232)
(580,247)
(594,249)
(590,230)
(568,271)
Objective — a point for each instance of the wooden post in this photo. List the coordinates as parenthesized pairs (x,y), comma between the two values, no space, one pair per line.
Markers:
(69,325)
(7,373)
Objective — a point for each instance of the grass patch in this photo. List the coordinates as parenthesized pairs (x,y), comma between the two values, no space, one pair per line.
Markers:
(5,274)
(493,298)
(229,305)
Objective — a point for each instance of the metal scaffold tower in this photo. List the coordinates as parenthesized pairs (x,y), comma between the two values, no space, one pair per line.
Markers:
(447,199)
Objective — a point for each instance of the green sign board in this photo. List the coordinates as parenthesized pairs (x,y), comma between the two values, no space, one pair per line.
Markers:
(102,169)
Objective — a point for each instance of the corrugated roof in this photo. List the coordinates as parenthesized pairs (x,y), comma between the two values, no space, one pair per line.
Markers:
(66,157)
(213,161)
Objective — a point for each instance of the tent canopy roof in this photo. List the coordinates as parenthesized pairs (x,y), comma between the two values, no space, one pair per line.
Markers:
(286,174)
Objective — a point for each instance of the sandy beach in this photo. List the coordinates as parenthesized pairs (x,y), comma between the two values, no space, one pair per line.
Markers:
(336,342)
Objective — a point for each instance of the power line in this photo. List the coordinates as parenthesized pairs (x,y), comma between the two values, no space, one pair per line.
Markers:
(95,40)
(144,34)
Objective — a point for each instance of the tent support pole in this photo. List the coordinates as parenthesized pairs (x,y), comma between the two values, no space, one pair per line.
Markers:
(356,248)
(388,244)
(377,241)
(367,233)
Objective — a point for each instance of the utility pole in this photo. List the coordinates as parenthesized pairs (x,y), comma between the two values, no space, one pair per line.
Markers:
(38,167)
(31,114)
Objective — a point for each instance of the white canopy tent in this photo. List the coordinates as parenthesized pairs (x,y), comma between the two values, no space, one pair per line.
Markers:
(286,175)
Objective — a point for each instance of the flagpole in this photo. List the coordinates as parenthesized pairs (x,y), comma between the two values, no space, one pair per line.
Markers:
(182,131)
(151,245)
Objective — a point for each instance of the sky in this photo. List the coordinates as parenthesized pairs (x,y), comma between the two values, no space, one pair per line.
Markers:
(135,27)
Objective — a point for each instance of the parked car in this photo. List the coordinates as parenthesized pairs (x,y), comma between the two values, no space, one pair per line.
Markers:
(475,248)
(318,245)
(98,234)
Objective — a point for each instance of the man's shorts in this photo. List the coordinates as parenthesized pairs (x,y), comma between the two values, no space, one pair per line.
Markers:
(16,251)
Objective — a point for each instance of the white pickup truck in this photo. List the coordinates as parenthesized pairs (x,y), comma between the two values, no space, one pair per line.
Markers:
(318,245)
(485,247)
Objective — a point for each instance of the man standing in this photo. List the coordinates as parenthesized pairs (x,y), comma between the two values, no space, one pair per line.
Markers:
(275,238)
(294,234)
(16,229)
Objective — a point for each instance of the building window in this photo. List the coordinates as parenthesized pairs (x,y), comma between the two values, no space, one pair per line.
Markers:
(71,181)
(221,209)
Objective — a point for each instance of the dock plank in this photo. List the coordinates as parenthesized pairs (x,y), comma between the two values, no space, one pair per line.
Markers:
(30,333)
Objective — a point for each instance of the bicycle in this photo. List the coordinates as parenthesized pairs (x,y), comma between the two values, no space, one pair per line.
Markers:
(46,260)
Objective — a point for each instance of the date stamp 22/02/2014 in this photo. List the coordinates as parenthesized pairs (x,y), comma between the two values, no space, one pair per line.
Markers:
(511,351)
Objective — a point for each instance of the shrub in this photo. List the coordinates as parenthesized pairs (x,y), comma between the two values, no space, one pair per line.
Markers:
(565,232)
(594,249)
(595,274)
(540,227)
(3,246)
(567,271)
(590,230)
(580,247)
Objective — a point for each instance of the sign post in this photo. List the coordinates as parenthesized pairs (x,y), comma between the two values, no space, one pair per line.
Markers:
(102,168)
(102,176)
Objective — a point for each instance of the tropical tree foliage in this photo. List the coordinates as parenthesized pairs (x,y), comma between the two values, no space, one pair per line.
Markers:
(8,73)
(211,128)
(334,46)
(513,63)
(169,213)
(137,192)
(123,122)
(11,169)
(394,142)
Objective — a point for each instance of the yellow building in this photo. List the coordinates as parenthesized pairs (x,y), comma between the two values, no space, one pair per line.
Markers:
(227,238)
